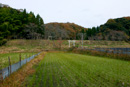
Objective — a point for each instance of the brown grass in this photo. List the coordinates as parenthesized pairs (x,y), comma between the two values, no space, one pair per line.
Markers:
(102,54)
(17,78)
(21,45)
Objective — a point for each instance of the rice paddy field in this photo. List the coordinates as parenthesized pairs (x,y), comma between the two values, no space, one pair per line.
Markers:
(14,58)
(66,69)
(76,70)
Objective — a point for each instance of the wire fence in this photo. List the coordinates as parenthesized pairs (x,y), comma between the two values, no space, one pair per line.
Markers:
(5,72)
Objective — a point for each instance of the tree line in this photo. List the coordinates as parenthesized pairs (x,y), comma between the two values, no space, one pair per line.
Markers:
(114,29)
(19,24)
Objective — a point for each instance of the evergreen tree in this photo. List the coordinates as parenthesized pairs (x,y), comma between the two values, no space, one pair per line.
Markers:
(13,23)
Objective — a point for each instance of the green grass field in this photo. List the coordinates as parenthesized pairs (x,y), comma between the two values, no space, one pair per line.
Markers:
(14,57)
(75,70)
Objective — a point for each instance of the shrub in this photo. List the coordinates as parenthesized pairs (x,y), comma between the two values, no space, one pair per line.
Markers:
(2,42)
(103,54)
(1,38)
(72,48)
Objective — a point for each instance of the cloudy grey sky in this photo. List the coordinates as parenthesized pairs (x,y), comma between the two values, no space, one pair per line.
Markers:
(87,13)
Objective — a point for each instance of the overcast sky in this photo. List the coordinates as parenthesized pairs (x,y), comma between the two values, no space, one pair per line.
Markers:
(87,13)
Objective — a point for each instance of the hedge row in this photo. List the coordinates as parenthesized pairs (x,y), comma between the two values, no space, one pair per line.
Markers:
(102,54)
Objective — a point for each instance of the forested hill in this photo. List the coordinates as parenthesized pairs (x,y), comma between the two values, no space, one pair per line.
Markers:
(20,24)
(63,30)
(16,23)
(114,29)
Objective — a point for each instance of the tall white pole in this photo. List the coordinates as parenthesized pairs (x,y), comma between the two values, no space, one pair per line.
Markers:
(74,43)
(69,42)
(82,39)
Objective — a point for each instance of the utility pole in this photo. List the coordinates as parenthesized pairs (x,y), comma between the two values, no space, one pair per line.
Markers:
(82,38)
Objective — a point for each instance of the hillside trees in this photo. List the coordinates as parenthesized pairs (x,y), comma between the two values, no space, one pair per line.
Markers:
(31,31)
(91,32)
(21,24)
(13,23)
(63,30)
(118,25)
(114,29)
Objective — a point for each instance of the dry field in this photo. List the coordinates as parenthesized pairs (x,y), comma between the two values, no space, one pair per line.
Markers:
(16,46)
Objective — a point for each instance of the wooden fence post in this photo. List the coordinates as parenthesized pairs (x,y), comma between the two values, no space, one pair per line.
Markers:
(26,58)
(8,70)
(20,59)
(1,75)
(9,65)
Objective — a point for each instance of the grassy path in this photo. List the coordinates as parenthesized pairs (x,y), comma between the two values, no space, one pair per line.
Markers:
(75,70)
